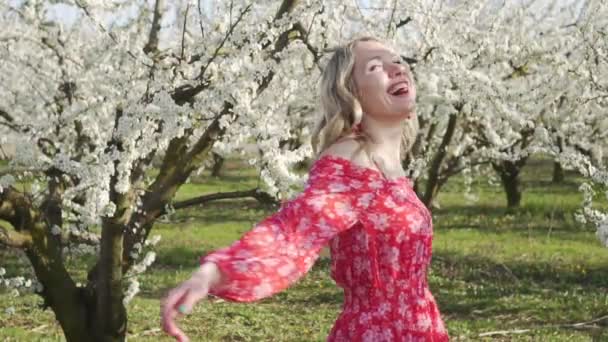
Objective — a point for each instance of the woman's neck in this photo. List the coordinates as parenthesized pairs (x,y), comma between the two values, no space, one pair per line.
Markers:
(385,138)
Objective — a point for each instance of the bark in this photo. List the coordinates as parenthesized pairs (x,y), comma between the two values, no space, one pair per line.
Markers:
(43,251)
(12,238)
(152,44)
(509,172)
(416,149)
(59,290)
(256,193)
(558,173)
(433,182)
(111,315)
(218,162)
(106,281)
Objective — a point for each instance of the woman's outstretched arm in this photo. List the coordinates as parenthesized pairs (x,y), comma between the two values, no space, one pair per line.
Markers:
(274,253)
(282,248)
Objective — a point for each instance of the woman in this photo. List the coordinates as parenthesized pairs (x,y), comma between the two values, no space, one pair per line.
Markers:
(357,199)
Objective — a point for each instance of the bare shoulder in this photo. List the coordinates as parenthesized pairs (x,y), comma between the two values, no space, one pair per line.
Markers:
(347,148)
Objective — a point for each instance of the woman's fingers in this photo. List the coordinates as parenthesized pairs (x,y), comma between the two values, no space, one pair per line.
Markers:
(180,300)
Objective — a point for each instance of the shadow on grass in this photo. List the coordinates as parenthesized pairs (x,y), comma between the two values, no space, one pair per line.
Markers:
(518,295)
(488,281)
(553,276)
(222,211)
(468,210)
(178,258)
(568,185)
(537,222)
(497,211)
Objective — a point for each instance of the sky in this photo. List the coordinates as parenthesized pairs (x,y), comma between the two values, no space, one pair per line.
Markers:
(67,14)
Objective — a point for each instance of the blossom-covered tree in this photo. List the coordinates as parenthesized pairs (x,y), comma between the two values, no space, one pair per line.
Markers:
(90,105)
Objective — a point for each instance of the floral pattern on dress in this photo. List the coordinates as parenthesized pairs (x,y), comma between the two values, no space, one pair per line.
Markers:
(380,238)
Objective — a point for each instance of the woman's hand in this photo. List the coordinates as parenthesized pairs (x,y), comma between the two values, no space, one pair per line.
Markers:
(182,298)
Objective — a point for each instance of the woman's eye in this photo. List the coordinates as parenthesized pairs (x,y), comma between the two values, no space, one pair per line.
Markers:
(374,67)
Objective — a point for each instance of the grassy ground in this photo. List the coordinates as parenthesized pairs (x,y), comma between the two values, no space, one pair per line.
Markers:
(534,269)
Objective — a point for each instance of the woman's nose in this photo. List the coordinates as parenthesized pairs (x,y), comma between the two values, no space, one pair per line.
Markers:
(395,69)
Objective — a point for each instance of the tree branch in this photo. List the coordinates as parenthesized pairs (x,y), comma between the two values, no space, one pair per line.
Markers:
(152,44)
(303,36)
(261,196)
(403,22)
(185,93)
(9,121)
(438,159)
(184,31)
(221,44)
(13,206)
(85,238)
(6,116)
(15,239)
(180,160)
(103,29)
(390,21)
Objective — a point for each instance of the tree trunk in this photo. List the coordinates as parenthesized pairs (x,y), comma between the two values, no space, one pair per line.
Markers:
(218,162)
(433,184)
(511,185)
(59,290)
(111,315)
(558,173)
(509,176)
(110,323)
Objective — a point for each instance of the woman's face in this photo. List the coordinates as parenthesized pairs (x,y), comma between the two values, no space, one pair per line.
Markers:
(385,86)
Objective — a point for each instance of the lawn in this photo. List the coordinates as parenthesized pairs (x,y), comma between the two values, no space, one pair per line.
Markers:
(534,272)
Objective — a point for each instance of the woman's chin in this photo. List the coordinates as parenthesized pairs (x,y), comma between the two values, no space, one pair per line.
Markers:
(405,110)
(403,102)
(401,115)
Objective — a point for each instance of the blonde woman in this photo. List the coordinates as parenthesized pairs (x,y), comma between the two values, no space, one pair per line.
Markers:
(357,200)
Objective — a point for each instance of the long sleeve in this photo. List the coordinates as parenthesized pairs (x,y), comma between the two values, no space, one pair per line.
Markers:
(283,247)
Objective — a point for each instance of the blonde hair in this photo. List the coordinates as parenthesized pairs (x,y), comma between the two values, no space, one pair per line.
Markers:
(341,108)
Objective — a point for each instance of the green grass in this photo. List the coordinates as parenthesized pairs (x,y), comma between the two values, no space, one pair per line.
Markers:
(533,268)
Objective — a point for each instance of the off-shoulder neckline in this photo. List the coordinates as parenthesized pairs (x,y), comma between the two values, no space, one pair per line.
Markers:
(363,169)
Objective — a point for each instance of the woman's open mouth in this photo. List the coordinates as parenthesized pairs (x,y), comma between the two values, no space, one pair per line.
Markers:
(399,89)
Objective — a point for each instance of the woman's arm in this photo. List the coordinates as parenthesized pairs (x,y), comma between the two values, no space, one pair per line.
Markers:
(274,253)
(283,247)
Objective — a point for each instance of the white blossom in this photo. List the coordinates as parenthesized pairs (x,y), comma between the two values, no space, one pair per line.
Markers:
(55,230)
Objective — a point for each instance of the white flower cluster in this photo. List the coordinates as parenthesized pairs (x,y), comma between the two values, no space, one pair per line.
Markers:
(132,290)
(589,213)
(139,267)
(602,233)
(6,181)
(19,284)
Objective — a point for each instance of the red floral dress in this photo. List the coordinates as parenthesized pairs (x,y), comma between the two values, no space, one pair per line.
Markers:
(380,236)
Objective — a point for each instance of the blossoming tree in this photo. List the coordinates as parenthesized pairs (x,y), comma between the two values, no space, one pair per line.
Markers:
(90,105)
